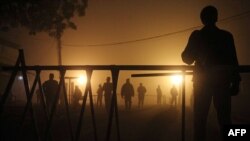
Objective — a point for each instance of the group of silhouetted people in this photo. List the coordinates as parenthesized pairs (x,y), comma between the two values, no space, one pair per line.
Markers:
(50,89)
(127,92)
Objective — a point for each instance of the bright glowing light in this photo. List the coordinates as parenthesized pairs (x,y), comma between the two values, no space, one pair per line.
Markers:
(82,80)
(20,77)
(176,79)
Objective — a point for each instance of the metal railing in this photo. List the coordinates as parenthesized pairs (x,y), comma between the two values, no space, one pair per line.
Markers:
(113,112)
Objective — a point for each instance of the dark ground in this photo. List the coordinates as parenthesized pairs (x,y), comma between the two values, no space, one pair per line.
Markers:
(152,123)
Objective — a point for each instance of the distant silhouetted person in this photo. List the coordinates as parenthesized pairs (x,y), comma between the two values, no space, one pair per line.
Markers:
(77,95)
(174,94)
(159,95)
(141,94)
(210,49)
(127,92)
(99,96)
(108,90)
(50,88)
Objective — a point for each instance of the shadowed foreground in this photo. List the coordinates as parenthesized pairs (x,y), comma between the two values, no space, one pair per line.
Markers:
(156,123)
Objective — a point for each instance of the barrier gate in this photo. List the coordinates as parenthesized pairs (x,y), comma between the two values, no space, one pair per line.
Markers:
(113,112)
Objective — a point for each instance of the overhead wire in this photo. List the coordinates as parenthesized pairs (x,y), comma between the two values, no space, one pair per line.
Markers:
(156,36)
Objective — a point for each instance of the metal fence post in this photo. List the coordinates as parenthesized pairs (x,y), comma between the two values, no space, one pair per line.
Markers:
(28,105)
(79,125)
(27,90)
(89,74)
(183,122)
(114,106)
(54,104)
(67,110)
(9,85)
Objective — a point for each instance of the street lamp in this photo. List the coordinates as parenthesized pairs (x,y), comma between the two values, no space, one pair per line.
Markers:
(82,80)
(176,79)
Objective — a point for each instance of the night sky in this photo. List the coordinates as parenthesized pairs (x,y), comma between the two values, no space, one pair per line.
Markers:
(134,32)
(110,22)
(137,32)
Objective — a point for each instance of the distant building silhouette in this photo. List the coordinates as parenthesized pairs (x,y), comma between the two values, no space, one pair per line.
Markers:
(212,49)
(127,92)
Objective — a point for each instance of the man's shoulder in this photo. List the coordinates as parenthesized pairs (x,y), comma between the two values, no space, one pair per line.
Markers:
(46,82)
(223,31)
(56,82)
(195,34)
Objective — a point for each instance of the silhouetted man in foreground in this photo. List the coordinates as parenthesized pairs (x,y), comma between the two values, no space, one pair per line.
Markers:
(127,93)
(215,75)
(108,91)
(141,94)
(50,88)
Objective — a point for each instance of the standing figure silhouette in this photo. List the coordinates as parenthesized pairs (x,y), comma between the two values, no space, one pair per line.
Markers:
(50,88)
(127,92)
(108,91)
(215,75)
(141,95)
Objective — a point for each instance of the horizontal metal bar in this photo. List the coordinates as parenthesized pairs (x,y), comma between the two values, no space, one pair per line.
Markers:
(105,67)
(242,68)
(159,74)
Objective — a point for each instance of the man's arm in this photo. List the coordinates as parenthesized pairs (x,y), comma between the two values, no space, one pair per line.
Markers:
(235,79)
(189,54)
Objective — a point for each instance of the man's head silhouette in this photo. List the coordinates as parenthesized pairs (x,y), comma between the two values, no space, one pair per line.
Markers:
(51,76)
(209,15)
(108,79)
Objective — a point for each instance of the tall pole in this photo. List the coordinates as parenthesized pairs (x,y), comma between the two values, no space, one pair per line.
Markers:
(183,122)
(59,50)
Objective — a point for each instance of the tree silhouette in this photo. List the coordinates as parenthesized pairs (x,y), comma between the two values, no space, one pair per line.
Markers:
(51,16)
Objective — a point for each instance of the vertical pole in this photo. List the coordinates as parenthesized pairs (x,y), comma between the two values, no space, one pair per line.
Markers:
(7,93)
(69,91)
(9,85)
(113,107)
(59,49)
(67,110)
(44,105)
(79,125)
(115,74)
(27,90)
(89,74)
(183,108)
(43,99)
(28,105)
(54,104)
